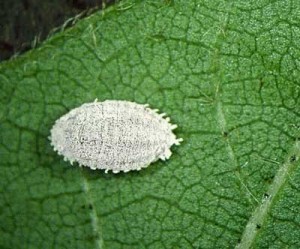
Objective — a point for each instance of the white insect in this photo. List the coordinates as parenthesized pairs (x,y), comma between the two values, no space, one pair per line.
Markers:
(113,135)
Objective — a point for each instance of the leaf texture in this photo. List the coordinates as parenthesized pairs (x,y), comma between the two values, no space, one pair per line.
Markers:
(227,72)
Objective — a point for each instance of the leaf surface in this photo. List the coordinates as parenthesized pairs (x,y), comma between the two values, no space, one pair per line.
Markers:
(227,73)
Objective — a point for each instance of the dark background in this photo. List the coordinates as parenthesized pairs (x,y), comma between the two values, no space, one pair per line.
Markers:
(25,23)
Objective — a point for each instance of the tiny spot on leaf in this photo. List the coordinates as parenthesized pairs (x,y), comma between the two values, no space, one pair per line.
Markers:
(225,133)
(293,158)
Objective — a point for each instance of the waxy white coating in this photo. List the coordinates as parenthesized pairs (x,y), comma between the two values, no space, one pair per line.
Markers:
(113,135)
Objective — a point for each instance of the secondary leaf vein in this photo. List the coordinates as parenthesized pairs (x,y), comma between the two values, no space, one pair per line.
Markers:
(93,214)
(260,213)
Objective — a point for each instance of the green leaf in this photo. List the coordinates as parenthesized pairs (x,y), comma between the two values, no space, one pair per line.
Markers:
(227,72)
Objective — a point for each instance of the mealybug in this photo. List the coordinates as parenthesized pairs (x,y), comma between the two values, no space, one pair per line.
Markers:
(113,135)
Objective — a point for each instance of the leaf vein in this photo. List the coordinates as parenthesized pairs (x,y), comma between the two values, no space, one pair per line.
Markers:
(260,213)
(93,214)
